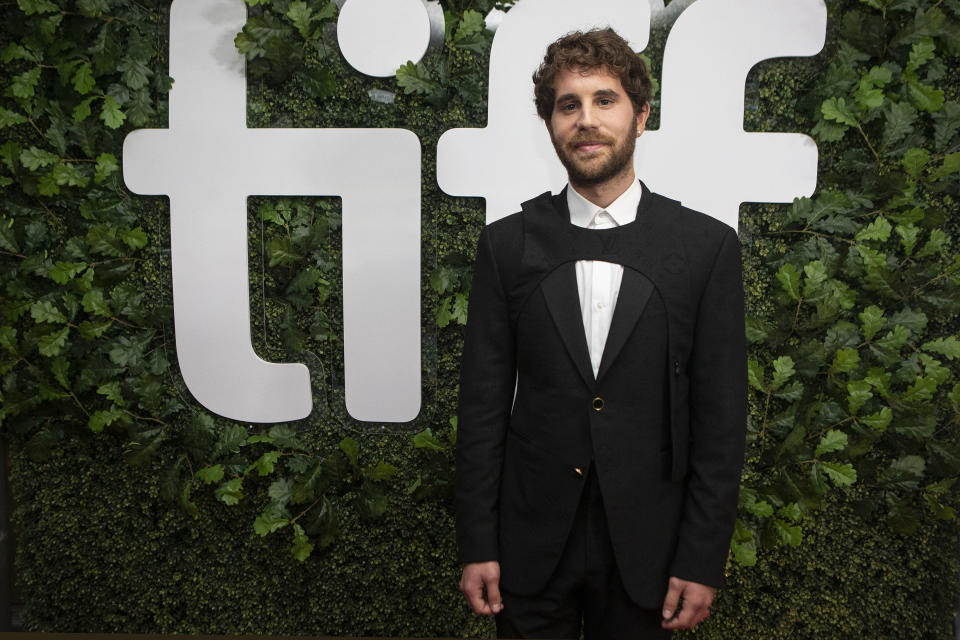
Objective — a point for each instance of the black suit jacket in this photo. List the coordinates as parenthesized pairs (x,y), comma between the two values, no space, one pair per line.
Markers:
(663,422)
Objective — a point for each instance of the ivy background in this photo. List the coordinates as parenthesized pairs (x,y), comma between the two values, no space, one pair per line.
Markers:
(138,511)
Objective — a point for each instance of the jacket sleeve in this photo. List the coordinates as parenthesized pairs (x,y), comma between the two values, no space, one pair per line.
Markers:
(487,381)
(718,405)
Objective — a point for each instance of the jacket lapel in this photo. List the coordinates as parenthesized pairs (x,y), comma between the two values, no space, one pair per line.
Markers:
(635,290)
(560,292)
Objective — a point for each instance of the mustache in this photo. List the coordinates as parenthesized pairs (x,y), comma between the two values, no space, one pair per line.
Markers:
(589,140)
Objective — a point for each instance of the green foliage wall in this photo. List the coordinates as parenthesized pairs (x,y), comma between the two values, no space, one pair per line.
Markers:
(140,512)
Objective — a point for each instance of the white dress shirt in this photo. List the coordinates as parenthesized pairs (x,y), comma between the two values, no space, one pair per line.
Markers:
(598,282)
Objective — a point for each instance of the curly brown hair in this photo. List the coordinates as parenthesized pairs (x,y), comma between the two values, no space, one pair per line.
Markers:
(585,50)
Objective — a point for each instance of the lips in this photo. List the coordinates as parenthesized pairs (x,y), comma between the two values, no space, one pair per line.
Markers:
(588,146)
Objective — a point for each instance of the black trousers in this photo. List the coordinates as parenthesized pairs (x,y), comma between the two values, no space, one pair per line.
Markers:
(585,592)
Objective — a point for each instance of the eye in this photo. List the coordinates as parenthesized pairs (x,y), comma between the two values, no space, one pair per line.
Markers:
(605,101)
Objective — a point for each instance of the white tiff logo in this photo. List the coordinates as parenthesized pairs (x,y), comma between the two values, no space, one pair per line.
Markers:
(208,162)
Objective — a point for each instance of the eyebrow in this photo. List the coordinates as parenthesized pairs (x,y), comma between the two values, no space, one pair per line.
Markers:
(604,93)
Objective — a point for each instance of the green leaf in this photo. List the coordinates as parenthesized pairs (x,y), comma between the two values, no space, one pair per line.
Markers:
(46,311)
(816,275)
(836,109)
(35,158)
(265,464)
(62,272)
(426,440)
(211,474)
(904,472)
(909,234)
(859,391)
(83,81)
(231,492)
(950,166)
(16,51)
(373,502)
(281,251)
(926,98)
(59,367)
(111,391)
(899,122)
(914,162)
(414,78)
(872,320)
(382,472)
(94,302)
(318,83)
(301,548)
(783,369)
(281,491)
(841,473)
(948,347)
(8,339)
(232,438)
(921,390)
(286,437)
(878,230)
(100,419)
(107,165)
(789,277)
(133,238)
(23,85)
(761,509)
(878,421)
(272,518)
(921,53)
(832,440)
(745,553)
(92,330)
(82,111)
(845,361)
(134,73)
(52,343)
(790,534)
(913,320)
(31,7)
(10,118)
(460,305)
(471,24)
(186,504)
(352,449)
(954,397)
(301,16)
(111,114)
(67,174)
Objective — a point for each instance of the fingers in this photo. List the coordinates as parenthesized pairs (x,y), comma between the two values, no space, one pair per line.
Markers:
(697,599)
(494,601)
(480,585)
(672,601)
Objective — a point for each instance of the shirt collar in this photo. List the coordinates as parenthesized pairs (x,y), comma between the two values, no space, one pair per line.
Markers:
(623,210)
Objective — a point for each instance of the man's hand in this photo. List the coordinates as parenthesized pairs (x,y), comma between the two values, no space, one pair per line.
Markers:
(696,604)
(480,585)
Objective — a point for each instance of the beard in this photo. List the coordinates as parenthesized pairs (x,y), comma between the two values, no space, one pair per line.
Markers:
(586,172)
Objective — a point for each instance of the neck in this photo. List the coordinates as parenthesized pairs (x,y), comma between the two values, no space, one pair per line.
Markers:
(605,193)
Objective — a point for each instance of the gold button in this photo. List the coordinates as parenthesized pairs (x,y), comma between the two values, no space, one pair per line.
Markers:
(598,403)
(579,472)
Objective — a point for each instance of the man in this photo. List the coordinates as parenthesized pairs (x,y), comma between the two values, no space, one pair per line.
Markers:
(603,383)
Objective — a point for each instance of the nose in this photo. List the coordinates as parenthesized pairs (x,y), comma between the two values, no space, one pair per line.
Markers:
(587,118)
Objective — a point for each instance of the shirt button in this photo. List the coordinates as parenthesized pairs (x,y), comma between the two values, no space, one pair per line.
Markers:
(598,404)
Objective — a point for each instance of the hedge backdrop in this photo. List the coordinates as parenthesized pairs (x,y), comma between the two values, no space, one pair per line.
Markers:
(137,511)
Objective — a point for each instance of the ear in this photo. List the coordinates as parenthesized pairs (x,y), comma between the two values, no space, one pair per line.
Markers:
(642,118)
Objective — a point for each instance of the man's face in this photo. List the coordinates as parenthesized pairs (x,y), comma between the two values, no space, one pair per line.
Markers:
(593,126)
